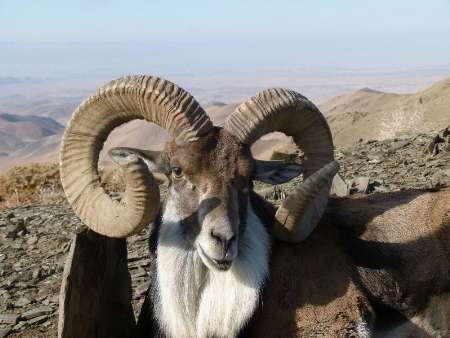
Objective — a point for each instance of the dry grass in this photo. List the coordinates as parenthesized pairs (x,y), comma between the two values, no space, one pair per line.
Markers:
(38,183)
(33,183)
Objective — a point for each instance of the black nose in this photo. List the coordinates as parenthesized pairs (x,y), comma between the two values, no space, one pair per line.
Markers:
(223,239)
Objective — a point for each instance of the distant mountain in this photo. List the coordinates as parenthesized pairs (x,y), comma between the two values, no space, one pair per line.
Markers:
(58,108)
(16,130)
(369,114)
(20,134)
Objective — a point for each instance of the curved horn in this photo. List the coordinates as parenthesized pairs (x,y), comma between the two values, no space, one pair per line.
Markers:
(300,212)
(291,113)
(122,100)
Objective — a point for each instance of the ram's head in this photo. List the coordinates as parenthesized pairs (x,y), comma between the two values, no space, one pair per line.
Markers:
(210,169)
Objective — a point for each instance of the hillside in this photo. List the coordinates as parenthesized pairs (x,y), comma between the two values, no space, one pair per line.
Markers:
(22,137)
(58,106)
(28,128)
(369,114)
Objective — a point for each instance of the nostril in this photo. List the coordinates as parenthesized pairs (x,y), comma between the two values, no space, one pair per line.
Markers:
(223,240)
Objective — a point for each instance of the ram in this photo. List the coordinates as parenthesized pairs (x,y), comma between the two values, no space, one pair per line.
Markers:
(226,263)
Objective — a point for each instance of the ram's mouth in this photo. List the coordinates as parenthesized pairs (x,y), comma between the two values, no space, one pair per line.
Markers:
(211,263)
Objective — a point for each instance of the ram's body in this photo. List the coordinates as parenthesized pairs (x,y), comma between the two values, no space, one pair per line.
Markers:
(380,259)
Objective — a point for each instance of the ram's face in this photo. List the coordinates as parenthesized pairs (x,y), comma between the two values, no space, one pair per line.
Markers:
(210,180)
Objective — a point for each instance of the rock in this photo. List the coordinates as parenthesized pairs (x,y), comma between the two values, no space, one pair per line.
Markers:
(142,288)
(22,301)
(432,145)
(440,178)
(47,323)
(115,196)
(37,274)
(54,299)
(20,326)
(339,187)
(87,306)
(265,192)
(360,185)
(399,145)
(9,284)
(134,257)
(435,150)
(447,144)
(4,294)
(16,229)
(32,240)
(40,311)
(8,318)
(37,320)
(4,331)
(139,273)
(140,263)
(278,193)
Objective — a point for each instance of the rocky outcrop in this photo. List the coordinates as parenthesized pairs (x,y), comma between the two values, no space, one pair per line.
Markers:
(419,162)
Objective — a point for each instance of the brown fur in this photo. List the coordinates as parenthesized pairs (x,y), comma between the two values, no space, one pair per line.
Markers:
(212,164)
(382,250)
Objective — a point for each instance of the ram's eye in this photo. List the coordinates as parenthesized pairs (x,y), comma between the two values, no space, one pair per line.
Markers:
(177,172)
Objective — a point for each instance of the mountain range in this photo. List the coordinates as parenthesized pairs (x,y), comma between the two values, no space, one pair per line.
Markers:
(33,132)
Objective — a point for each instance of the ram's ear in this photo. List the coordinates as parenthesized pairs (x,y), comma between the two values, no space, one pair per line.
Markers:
(276,172)
(154,160)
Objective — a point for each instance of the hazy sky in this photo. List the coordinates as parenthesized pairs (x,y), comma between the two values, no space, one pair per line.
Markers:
(100,35)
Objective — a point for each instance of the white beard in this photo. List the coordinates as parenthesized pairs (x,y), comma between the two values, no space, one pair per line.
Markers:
(194,302)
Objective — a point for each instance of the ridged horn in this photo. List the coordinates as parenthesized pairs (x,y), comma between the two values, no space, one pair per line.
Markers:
(122,100)
(291,113)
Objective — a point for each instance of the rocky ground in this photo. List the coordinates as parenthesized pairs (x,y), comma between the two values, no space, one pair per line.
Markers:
(422,161)
(34,239)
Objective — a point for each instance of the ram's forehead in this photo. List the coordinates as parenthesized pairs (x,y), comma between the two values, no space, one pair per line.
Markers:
(216,152)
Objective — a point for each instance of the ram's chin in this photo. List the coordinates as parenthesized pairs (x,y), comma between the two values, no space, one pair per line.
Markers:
(211,263)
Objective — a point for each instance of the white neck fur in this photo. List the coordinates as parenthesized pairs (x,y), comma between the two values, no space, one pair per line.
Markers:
(195,302)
